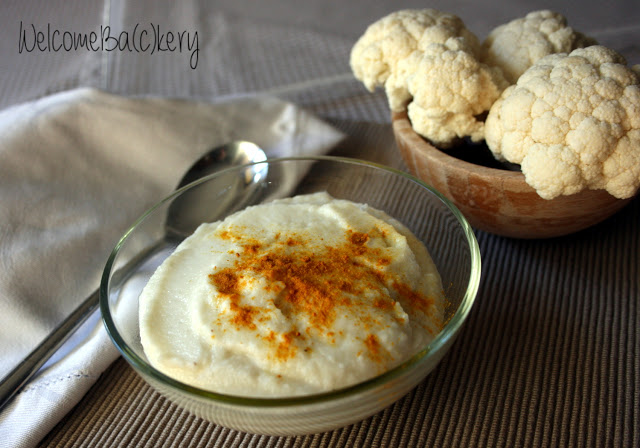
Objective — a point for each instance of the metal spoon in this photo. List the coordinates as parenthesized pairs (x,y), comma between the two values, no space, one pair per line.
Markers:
(183,217)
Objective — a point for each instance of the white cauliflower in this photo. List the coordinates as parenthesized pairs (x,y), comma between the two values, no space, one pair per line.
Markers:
(430,60)
(395,36)
(516,45)
(450,91)
(572,122)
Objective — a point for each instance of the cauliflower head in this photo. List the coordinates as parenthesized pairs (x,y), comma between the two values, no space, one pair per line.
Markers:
(429,60)
(516,45)
(572,121)
(450,90)
(392,38)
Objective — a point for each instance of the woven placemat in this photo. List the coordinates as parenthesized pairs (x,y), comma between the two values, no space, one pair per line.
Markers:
(550,356)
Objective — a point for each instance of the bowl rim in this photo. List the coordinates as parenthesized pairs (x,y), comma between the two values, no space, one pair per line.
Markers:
(442,338)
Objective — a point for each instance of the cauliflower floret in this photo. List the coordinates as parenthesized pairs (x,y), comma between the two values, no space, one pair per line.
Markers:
(451,90)
(430,60)
(395,36)
(516,45)
(572,121)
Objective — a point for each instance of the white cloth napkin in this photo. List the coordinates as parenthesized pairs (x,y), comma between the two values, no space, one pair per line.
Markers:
(76,169)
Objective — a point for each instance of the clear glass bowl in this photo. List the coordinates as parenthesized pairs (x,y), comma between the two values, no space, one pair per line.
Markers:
(431,217)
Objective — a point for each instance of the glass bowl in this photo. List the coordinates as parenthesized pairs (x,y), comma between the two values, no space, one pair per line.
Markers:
(429,215)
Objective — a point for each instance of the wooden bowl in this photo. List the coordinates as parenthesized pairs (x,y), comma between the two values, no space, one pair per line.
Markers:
(496,200)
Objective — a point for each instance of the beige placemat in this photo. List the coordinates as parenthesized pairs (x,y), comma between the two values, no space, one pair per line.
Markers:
(548,357)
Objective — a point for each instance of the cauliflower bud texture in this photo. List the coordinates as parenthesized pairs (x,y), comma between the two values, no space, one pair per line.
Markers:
(431,60)
(394,37)
(516,45)
(572,122)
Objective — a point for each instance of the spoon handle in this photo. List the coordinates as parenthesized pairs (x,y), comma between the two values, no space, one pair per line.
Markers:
(18,377)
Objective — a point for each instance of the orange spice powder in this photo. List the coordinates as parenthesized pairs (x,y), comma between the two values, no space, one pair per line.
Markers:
(374,348)
(317,279)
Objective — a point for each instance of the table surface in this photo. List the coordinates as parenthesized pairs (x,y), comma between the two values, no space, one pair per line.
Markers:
(550,355)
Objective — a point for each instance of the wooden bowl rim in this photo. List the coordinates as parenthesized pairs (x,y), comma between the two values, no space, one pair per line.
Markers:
(402,126)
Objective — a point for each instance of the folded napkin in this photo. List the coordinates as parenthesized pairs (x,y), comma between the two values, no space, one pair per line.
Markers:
(76,169)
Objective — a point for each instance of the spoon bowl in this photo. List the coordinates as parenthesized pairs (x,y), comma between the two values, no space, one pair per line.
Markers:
(234,153)
(203,202)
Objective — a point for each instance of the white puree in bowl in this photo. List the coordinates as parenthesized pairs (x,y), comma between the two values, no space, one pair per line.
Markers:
(297,296)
